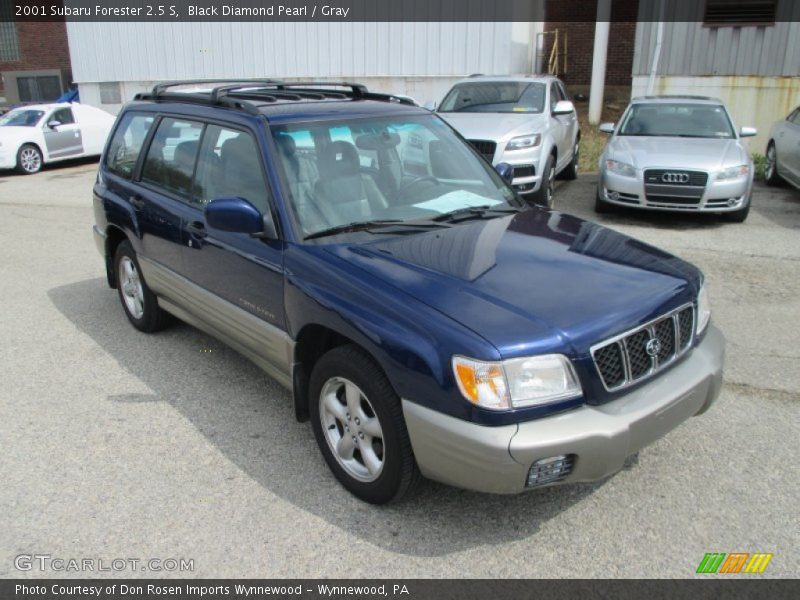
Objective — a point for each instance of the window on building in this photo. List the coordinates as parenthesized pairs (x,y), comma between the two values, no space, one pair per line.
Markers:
(110,93)
(125,147)
(9,42)
(229,166)
(39,88)
(171,157)
(739,12)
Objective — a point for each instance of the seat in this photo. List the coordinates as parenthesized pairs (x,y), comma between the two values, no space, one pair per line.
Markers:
(343,193)
(241,173)
(179,171)
(302,175)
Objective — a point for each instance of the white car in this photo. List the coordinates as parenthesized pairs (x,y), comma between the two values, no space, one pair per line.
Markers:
(783,151)
(33,135)
(526,122)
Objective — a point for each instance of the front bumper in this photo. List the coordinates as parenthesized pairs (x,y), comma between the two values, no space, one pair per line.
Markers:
(526,163)
(718,196)
(599,438)
(99,240)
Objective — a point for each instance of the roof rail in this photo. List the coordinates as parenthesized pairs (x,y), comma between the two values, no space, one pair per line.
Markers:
(241,93)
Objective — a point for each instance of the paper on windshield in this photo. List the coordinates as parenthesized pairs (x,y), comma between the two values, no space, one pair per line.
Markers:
(455,200)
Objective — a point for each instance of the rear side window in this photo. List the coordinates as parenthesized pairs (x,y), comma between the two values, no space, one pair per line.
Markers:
(170,159)
(229,166)
(126,145)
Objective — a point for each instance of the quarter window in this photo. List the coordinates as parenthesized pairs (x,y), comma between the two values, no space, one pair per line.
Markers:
(229,166)
(126,145)
(171,156)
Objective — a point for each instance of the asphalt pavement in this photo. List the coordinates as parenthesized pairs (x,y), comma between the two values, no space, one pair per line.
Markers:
(117,444)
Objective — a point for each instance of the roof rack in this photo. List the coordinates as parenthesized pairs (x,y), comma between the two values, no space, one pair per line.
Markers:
(243,94)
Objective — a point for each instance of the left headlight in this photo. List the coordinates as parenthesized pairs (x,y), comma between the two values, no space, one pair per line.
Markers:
(621,168)
(524,141)
(733,172)
(516,382)
(703,310)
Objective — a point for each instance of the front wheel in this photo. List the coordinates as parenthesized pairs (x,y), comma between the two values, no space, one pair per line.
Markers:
(544,196)
(359,426)
(29,159)
(771,169)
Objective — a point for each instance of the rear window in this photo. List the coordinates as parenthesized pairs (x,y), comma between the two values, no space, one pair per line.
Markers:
(126,145)
(170,159)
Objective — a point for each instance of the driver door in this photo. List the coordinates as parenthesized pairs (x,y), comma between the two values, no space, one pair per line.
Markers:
(65,139)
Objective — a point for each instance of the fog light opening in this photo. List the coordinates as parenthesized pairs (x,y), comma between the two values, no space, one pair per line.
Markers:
(550,470)
(732,201)
(613,195)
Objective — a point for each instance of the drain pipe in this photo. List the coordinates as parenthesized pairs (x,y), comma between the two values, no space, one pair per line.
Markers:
(651,82)
(601,30)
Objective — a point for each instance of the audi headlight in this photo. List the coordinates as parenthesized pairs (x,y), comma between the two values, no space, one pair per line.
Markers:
(517,382)
(703,310)
(621,168)
(733,173)
(524,141)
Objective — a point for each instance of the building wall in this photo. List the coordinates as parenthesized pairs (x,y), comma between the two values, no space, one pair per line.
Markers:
(753,101)
(42,46)
(577,19)
(416,59)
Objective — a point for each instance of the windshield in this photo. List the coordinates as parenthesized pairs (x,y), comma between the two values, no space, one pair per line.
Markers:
(21,118)
(398,170)
(495,96)
(677,120)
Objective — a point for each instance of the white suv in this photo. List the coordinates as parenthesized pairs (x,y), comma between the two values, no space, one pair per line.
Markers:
(526,122)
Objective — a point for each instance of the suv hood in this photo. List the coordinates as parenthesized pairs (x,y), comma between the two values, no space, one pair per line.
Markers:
(707,154)
(494,126)
(532,282)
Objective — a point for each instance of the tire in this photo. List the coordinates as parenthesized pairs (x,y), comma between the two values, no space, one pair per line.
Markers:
(771,169)
(601,206)
(570,172)
(29,159)
(373,418)
(739,216)
(139,303)
(544,195)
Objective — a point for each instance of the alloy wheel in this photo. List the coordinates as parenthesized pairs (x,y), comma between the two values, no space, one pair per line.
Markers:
(769,171)
(131,286)
(30,160)
(352,429)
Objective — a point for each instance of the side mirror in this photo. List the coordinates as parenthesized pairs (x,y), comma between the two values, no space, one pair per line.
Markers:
(606,128)
(430,105)
(506,171)
(53,124)
(237,215)
(563,107)
(748,132)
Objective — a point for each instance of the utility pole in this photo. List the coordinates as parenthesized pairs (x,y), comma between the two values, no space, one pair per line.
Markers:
(601,29)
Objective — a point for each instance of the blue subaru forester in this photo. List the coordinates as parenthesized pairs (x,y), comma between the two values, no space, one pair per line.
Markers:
(426,320)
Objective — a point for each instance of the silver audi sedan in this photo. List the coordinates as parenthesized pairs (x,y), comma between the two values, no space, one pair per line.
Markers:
(677,153)
(783,151)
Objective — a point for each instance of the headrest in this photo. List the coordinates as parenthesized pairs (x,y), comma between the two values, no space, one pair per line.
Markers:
(286,144)
(339,158)
(186,151)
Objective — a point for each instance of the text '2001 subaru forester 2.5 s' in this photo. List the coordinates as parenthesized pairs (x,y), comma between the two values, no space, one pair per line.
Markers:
(426,320)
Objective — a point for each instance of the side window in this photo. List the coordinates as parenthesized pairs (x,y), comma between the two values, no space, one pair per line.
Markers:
(123,152)
(555,95)
(230,166)
(63,116)
(171,156)
(563,91)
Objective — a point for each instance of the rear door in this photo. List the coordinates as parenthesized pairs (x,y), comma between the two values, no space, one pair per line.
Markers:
(62,135)
(162,198)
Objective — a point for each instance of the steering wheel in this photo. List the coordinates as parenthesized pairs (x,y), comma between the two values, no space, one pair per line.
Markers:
(406,186)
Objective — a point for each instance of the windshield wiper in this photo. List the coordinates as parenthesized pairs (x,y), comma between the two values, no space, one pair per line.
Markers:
(473,212)
(369,225)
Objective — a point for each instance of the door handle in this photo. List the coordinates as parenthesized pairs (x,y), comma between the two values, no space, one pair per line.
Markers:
(137,201)
(197,229)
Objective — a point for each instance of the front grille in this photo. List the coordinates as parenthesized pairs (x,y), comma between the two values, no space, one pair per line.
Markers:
(484,147)
(695,178)
(524,171)
(637,354)
(672,199)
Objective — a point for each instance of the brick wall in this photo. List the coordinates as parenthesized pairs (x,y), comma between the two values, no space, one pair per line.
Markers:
(576,18)
(42,45)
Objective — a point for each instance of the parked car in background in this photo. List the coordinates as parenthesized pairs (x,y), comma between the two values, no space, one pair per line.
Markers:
(426,319)
(37,134)
(677,153)
(783,151)
(526,122)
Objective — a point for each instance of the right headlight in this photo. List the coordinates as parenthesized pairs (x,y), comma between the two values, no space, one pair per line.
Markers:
(703,310)
(620,168)
(517,382)
(524,141)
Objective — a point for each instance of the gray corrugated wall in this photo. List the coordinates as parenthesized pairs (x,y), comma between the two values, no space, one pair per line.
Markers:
(691,49)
